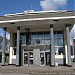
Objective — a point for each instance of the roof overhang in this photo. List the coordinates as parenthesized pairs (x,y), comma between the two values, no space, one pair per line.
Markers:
(37,21)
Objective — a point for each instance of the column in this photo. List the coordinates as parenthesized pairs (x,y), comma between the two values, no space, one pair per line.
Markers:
(11,48)
(3,47)
(65,46)
(18,43)
(52,47)
(68,45)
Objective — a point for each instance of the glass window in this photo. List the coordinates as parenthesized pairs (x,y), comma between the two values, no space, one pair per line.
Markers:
(59,42)
(33,41)
(40,39)
(59,35)
(55,42)
(47,36)
(23,39)
(58,39)
(37,38)
(47,42)
(61,50)
(55,36)
(33,36)
(31,58)
(56,50)
(40,36)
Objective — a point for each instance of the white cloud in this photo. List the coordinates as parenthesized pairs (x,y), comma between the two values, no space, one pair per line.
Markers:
(52,4)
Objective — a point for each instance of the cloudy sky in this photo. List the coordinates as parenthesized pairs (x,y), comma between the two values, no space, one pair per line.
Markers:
(53,4)
(17,6)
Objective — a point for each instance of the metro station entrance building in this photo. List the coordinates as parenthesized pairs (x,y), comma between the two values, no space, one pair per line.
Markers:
(38,38)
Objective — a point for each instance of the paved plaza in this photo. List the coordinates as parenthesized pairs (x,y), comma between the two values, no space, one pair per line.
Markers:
(30,70)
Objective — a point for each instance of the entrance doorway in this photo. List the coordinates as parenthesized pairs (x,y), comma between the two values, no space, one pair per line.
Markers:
(47,56)
(44,58)
(28,58)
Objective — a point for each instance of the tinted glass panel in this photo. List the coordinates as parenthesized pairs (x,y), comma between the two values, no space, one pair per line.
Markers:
(47,36)
(59,42)
(42,58)
(61,50)
(59,36)
(55,36)
(40,36)
(23,39)
(25,58)
(34,36)
(47,42)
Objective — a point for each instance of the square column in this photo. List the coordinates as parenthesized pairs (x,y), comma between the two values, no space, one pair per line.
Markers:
(68,45)
(18,44)
(3,47)
(52,47)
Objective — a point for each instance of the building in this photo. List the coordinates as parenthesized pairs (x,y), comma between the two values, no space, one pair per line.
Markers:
(38,38)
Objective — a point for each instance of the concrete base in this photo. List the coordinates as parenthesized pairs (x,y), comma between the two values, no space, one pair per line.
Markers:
(17,65)
(69,65)
(2,65)
(52,65)
(61,65)
(11,64)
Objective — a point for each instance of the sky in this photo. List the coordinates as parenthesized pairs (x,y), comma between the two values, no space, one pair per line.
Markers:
(19,6)
(16,6)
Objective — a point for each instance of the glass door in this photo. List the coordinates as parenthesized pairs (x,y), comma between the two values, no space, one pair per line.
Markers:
(26,59)
(47,55)
(31,58)
(42,59)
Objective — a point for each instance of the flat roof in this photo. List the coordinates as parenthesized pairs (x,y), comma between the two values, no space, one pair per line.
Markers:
(37,21)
